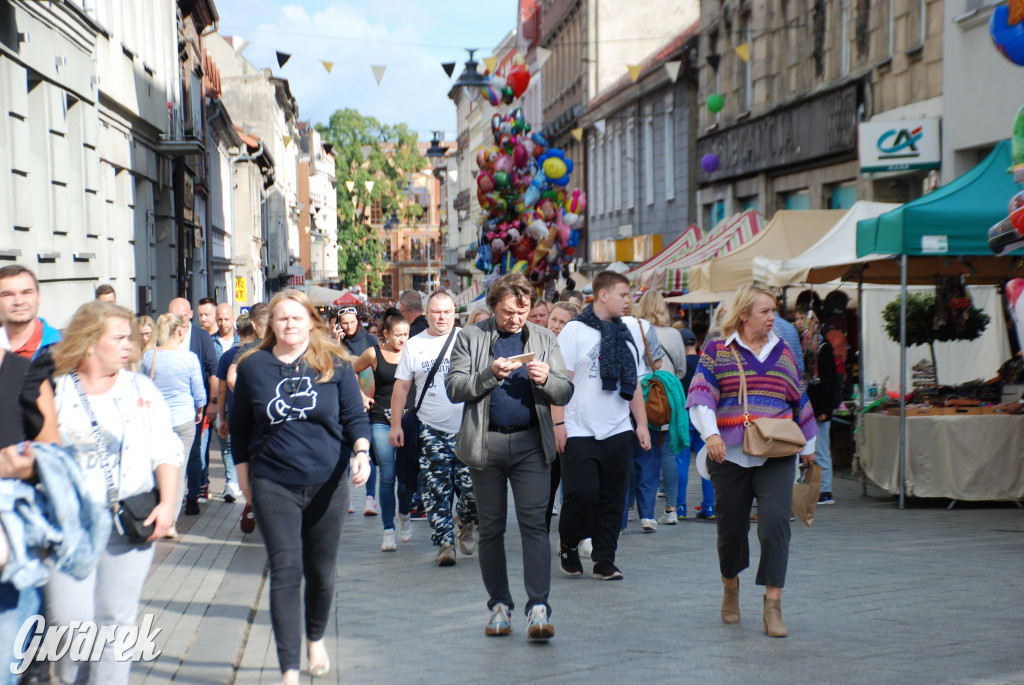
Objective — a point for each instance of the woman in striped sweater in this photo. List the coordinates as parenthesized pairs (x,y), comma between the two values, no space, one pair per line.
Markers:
(773,391)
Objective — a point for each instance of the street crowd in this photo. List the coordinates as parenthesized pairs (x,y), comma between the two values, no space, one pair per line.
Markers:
(584,410)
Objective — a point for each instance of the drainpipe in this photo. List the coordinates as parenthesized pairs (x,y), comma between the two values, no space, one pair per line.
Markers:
(219,109)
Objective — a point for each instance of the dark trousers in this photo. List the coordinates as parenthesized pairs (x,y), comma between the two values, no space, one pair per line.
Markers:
(735,489)
(595,474)
(516,459)
(301,527)
(556,479)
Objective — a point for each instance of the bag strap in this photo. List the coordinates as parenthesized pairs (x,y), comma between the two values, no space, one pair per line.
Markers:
(433,371)
(743,385)
(647,350)
(99,442)
(152,365)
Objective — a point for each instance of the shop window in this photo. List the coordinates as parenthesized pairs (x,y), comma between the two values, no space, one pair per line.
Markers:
(800,199)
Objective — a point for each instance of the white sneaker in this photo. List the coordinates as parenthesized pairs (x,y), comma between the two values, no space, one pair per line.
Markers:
(370,507)
(404,529)
(668,518)
(538,626)
(231,492)
(388,545)
(586,548)
(649,525)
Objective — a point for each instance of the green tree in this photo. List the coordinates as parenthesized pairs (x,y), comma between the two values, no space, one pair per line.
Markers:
(367,150)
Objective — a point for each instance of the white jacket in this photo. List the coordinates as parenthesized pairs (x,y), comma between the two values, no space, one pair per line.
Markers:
(148,437)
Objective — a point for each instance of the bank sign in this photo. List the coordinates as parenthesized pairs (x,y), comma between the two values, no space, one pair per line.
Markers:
(899,145)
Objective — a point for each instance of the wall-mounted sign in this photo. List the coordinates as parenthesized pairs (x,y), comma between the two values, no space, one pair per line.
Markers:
(900,145)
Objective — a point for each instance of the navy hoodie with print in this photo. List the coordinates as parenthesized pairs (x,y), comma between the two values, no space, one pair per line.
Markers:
(316,419)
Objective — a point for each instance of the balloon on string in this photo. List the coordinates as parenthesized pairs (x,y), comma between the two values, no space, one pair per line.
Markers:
(715,103)
(1009,38)
(519,79)
(709,163)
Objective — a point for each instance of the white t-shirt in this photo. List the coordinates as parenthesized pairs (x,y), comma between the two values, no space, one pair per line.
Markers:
(437,410)
(592,412)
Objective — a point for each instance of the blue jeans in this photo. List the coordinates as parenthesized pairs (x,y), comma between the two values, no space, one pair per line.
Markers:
(823,454)
(229,459)
(643,482)
(16,606)
(669,468)
(385,455)
(196,470)
(683,462)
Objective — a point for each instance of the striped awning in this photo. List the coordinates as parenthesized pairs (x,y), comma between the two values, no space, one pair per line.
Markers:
(469,294)
(689,239)
(673,275)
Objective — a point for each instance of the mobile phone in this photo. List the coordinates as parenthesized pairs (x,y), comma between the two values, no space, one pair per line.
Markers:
(528,357)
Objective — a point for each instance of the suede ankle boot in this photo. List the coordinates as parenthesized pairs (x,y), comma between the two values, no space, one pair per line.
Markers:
(773,625)
(731,605)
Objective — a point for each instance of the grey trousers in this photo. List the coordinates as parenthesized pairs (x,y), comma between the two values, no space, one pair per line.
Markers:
(516,458)
(187,433)
(735,490)
(108,596)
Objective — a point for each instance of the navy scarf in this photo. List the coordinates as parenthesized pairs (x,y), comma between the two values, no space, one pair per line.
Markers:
(618,367)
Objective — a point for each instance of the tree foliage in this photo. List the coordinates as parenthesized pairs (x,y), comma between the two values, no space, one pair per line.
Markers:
(391,156)
(922,326)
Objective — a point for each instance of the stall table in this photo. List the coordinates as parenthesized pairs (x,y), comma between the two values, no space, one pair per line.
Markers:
(969,458)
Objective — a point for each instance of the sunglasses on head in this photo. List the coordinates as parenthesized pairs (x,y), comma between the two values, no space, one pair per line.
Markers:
(349,310)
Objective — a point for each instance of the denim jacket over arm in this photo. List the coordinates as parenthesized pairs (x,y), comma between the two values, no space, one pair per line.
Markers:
(470,380)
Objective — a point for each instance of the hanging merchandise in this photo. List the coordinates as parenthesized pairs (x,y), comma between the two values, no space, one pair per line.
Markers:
(532,220)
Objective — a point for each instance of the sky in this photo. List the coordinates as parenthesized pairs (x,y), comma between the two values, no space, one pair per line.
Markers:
(411,37)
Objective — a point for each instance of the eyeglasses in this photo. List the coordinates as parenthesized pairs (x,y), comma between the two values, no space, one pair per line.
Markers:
(349,310)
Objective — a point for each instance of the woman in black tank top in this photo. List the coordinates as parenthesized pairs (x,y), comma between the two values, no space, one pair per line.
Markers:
(383,359)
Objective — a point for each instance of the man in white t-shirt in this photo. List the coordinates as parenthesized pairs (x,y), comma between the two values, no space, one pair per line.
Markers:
(597,436)
(441,474)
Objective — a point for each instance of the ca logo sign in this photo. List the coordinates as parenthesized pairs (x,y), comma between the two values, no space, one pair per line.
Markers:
(904,143)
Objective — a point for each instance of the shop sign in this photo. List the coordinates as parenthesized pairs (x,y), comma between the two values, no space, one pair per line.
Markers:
(240,289)
(822,126)
(900,145)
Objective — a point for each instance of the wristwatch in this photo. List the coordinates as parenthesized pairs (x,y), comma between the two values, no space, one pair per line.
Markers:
(358,452)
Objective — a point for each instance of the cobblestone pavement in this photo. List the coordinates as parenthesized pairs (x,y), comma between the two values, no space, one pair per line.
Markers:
(874,595)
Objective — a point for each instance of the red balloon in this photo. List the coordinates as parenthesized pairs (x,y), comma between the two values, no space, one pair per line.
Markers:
(518,79)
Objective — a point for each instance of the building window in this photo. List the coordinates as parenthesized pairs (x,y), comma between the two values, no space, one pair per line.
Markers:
(743,68)
(713,213)
(415,250)
(387,249)
(386,289)
(649,154)
(798,199)
(375,212)
(420,283)
(844,38)
(841,196)
(670,147)
(592,173)
(617,167)
(915,24)
(885,21)
(630,164)
(748,203)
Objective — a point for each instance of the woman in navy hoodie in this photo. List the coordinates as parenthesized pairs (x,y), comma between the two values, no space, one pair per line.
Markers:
(297,405)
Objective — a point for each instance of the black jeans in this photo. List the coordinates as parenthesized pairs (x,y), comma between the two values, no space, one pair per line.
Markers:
(595,474)
(735,489)
(301,528)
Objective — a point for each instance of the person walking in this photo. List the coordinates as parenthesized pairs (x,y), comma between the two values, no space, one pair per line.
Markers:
(706,508)
(296,406)
(424,365)
(561,314)
(382,359)
(177,376)
(507,437)
(23,332)
(750,347)
(822,383)
(119,429)
(597,437)
(411,306)
(357,340)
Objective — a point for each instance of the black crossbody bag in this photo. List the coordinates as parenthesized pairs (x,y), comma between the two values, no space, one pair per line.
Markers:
(407,457)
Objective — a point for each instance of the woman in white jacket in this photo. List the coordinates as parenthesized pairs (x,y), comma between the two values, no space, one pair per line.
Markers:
(118,426)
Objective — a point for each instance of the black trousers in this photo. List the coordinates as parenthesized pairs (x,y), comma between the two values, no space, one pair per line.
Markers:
(301,527)
(595,474)
(735,490)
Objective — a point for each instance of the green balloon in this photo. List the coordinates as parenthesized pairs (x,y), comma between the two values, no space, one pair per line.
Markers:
(501,179)
(715,103)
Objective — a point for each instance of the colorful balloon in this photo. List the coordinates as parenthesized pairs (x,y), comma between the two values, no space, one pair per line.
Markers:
(521,266)
(554,168)
(519,79)
(715,103)
(709,163)
(1008,38)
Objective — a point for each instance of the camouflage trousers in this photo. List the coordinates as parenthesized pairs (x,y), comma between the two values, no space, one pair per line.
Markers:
(442,476)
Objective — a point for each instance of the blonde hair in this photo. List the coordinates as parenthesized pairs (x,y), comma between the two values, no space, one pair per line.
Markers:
(166,326)
(476,314)
(742,304)
(571,306)
(322,352)
(652,307)
(86,327)
(140,322)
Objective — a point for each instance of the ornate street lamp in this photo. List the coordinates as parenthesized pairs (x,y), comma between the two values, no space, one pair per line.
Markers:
(470,79)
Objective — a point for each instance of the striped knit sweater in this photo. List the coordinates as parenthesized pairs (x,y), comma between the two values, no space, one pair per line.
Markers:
(773,389)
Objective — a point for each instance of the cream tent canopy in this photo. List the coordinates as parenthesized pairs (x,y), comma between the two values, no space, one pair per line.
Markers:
(789,233)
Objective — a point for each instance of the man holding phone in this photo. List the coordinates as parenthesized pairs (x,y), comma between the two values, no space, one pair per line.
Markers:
(509,373)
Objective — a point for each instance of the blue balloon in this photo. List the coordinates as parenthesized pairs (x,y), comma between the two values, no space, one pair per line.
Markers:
(485,260)
(1009,40)
(532,194)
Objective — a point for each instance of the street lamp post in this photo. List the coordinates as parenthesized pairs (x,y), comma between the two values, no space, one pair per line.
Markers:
(436,156)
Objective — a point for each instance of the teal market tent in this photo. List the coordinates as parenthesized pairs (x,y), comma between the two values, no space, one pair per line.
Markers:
(951,222)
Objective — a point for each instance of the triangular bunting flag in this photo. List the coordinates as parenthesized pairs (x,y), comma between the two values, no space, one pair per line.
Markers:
(350,185)
(599,125)
(542,57)
(743,51)
(453,175)
(327,65)
(287,140)
(282,58)
(378,71)
(240,44)
(490,63)
(246,129)
(449,68)
(366,151)
(577,133)
(634,71)
(714,60)
(673,69)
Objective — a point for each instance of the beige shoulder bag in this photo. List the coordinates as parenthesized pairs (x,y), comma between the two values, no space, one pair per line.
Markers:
(767,437)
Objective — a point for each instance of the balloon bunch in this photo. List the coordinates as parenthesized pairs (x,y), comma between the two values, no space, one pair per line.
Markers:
(505,89)
(1008,235)
(533,221)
